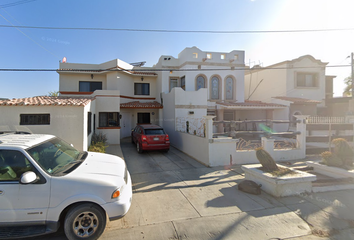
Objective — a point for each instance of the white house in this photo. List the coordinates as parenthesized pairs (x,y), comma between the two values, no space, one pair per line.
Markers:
(222,74)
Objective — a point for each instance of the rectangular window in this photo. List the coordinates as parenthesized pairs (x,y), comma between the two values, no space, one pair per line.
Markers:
(143,118)
(195,55)
(235,57)
(208,55)
(306,79)
(222,56)
(141,88)
(173,83)
(108,119)
(89,123)
(34,119)
(89,86)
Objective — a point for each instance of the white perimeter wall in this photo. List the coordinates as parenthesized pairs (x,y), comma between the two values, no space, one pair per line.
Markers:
(194,146)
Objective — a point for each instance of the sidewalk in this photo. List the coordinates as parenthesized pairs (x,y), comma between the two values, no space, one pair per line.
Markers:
(204,203)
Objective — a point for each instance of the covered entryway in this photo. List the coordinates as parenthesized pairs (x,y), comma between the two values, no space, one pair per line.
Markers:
(133,113)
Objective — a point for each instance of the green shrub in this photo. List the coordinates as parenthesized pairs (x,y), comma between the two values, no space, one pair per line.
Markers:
(341,155)
(100,137)
(98,143)
(343,151)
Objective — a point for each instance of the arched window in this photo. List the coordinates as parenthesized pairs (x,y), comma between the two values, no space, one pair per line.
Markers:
(229,88)
(215,88)
(200,82)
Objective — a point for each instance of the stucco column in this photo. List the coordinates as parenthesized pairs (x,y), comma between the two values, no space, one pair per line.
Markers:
(160,120)
(209,126)
(301,138)
(220,117)
(268,145)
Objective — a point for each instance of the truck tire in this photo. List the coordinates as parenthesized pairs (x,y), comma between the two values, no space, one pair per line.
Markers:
(85,221)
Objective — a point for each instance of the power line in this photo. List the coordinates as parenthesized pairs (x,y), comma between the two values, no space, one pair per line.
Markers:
(28,36)
(183,31)
(16,3)
(155,70)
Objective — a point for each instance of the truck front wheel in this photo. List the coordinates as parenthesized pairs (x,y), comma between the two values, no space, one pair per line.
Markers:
(85,221)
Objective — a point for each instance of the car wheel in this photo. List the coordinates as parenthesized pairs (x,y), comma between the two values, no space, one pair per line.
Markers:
(138,148)
(85,221)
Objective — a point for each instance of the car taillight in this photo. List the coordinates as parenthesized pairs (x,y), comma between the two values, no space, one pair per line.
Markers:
(167,138)
(143,138)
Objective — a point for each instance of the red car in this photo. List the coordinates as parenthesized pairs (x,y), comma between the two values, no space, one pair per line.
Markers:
(150,137)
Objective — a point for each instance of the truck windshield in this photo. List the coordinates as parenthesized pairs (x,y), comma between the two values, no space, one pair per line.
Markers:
(55,155)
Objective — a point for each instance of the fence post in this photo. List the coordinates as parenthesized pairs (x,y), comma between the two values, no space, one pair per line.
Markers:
(209,126)
(301,138)
(268,145)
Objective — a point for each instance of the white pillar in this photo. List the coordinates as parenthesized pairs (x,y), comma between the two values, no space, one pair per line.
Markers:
(209,126)
(301,138)
(268,145)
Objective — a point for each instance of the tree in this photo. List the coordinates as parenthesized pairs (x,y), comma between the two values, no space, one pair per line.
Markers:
(53,94)
(348,87)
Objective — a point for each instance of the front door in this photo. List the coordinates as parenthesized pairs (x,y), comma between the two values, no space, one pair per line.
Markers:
(126,126)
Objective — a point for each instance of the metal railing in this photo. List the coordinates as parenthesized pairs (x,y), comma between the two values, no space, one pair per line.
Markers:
(320,119)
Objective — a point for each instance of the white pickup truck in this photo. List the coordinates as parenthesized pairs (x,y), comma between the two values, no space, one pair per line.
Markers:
(45,182)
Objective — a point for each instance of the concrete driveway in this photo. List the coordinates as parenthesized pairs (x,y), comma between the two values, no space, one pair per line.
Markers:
(175,197)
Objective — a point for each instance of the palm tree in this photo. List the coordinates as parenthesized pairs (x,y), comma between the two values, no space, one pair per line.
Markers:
(53,94)
(348,87)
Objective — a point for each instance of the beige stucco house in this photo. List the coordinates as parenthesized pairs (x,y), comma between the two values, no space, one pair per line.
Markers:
(299,84)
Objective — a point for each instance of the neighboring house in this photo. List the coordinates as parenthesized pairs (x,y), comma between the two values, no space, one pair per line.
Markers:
(135,100)
(65,117)
(299,83)
(222,74)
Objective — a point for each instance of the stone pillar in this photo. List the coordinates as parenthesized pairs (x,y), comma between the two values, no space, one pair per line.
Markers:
(209,126)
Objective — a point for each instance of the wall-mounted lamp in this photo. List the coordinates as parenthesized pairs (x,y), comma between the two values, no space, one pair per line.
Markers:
(142,78)
(171,71)
(91,76)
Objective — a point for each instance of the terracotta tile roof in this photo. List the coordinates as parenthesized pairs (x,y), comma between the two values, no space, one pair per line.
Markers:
(297,100)
(47,101)
(250,105)
(137,104)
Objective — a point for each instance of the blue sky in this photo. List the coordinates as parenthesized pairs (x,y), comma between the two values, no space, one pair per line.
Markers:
(43,48)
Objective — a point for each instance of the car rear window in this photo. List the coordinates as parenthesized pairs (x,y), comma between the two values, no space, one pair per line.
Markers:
(154,132)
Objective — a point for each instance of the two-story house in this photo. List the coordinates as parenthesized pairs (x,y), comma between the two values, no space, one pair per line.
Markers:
(222,74)
(299,83)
